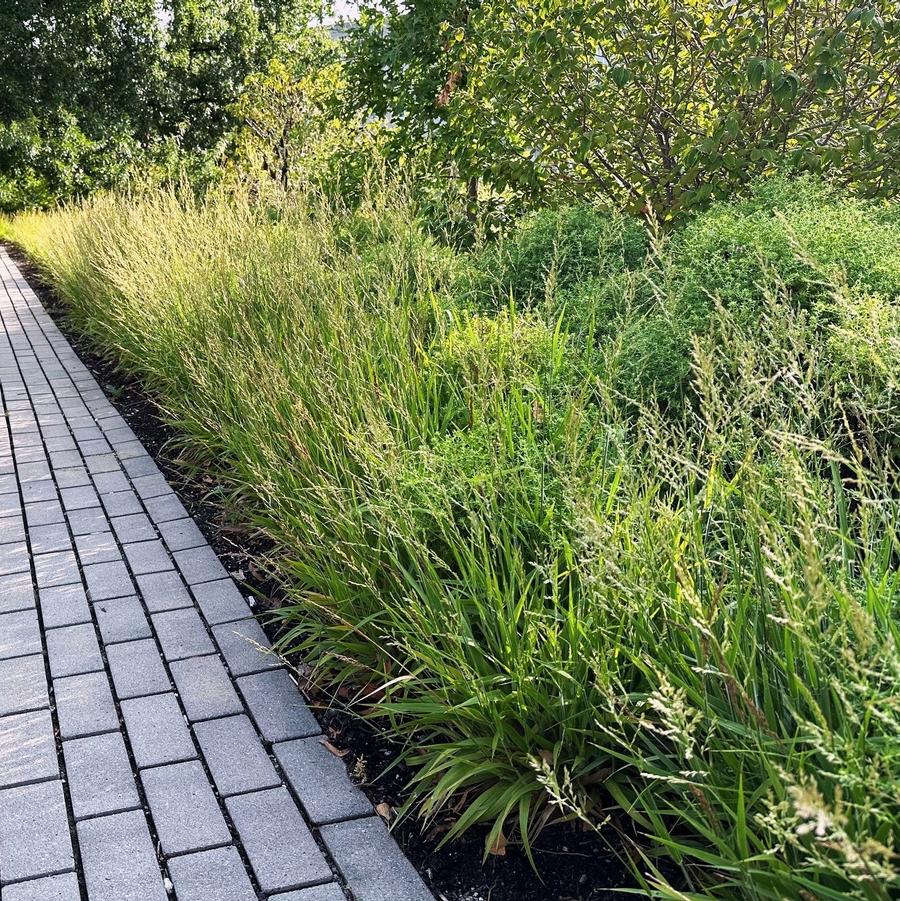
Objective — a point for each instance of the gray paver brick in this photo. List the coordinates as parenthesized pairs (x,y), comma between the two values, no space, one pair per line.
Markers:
(137,669)
(182,634)
(43,513)
(53,537)
(281,848)
(119,860)
(181,534)
(84,705)
(73,650)
(121,619)
(205,688)
(99,775)
(330,892)
(79,498)
(109,482)
(75,477)
(59,568)
(133,527)
(120,503)
(107,580)
(153,485)
(221,601)
(90,519)
(118,435)
(235,755)
(14,558)
(34,472)
(373,865)
(245,647)
(12,529)
(57,438)
(34,832)
(200,565)
(63,887)
(108,418)
(216,875)
(29,454)
(16,592)
(64,605)
(277,706)
(184,808)
(19,634)
(94,447)
(87,432)
(97,547)
(163,591)
(56,434)
(65,459)
(23,685)
(131,450)
(147,557)
(97,463)
(44,490)
(321,781)
(165,508)
(156,730)
(77,413)
(27,748)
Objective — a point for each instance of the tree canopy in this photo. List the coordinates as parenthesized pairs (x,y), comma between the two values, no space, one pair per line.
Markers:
(663,103)
(78,84)
(673,103)
(90,88)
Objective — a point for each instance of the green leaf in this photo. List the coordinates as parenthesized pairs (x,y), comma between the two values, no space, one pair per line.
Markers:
(825,80)
(620,75)
(756,71)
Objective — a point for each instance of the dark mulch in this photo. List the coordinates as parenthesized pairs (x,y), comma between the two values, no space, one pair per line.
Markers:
(574,865)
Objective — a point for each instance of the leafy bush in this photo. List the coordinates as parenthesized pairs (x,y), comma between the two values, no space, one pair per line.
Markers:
(566,246)
(487,355)
(799,232)
(798,236)
(499,381)
(290,123)
(52,158)
(563,606)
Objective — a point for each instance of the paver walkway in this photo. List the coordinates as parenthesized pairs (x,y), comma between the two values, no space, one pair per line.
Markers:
(148,748)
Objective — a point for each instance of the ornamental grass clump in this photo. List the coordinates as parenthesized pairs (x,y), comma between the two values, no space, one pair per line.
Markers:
(565,601)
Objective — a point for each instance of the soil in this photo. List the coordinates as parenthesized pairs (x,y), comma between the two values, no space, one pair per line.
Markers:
(574,864)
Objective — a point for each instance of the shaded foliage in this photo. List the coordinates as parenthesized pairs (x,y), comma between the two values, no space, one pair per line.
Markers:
(78,82)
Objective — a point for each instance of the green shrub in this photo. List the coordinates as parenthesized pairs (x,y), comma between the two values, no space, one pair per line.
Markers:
(654,362)
(565,245)
(502,383)
(484,356)
(863,358)
(797,236)
(798,232)
(599,307)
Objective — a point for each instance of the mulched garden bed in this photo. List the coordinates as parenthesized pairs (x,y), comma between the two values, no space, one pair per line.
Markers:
(574,865)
